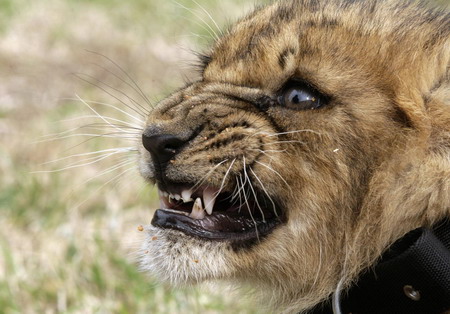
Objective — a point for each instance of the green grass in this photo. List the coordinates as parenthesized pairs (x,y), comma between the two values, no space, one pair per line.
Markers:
(7,9)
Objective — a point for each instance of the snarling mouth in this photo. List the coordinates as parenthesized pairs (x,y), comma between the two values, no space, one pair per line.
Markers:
(209,214)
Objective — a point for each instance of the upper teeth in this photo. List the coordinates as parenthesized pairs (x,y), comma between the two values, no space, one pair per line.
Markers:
(174,197)
(199,207)
(209,199)
(186,196)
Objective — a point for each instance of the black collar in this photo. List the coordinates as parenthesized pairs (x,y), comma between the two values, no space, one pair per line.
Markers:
(412,277)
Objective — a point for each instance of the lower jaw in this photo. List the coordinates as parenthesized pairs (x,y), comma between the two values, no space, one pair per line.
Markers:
(218,227)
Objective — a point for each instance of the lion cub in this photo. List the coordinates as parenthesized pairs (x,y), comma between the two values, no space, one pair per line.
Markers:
(318,135)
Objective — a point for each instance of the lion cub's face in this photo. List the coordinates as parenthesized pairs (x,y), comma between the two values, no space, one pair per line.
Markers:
(266,165)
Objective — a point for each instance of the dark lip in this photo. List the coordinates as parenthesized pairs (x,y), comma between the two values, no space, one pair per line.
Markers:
(218,226)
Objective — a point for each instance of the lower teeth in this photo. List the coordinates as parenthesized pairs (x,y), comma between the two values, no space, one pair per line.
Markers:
(197,210)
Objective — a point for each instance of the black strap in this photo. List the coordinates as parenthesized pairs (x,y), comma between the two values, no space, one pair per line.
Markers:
(413,277)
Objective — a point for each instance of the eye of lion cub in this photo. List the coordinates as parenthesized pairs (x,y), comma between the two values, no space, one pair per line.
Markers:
(300,96)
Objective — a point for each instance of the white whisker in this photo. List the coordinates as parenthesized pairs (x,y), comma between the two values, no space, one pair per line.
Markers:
(284,142)
(91,135)
(254,193)
(115,150)
(104,126)
(211,35)
(125,123)
(270,150)
(264,153)
(111,169)
(110,106)
(200,182)
(59,133)
(209,15)
(211,30)
(291,132)
(234,194)
(196,36)
(105,90)
(223,183)
(238,192)
(265,191)
(140,107)
(77,165)
(140,92)
(250,211)
(96,113)
(276,172)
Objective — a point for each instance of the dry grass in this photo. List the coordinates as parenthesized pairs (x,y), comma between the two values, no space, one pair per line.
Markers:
(68,239)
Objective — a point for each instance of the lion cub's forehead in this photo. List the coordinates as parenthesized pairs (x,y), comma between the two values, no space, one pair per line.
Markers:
(255,44)
(279,40)
(272,42)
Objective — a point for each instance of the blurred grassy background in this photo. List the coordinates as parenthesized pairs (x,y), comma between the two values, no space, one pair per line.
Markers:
(68,238)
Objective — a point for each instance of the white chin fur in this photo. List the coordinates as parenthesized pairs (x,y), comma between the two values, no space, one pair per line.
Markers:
(175,258)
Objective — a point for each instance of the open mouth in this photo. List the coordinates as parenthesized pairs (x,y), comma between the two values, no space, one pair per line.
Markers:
(208,214)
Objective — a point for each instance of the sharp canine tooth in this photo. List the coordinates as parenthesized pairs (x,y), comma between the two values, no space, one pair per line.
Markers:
(197,210)
(209,199)
(186,195)
(177,197)
(198,204)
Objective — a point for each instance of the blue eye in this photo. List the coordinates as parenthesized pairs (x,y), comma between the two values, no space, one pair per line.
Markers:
(300,97)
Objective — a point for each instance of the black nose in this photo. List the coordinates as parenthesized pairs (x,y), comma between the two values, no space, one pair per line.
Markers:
(162,147)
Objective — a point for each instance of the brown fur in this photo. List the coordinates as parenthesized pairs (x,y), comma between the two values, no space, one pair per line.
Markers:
(360,172)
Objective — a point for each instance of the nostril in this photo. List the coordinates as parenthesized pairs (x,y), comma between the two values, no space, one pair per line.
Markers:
(162,147)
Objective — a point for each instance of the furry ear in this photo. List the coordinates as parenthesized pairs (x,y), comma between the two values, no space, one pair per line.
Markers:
(437,93)
(425,112)
(437,103)
(410,110)
(437,162)
(416,107)
(428,71)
